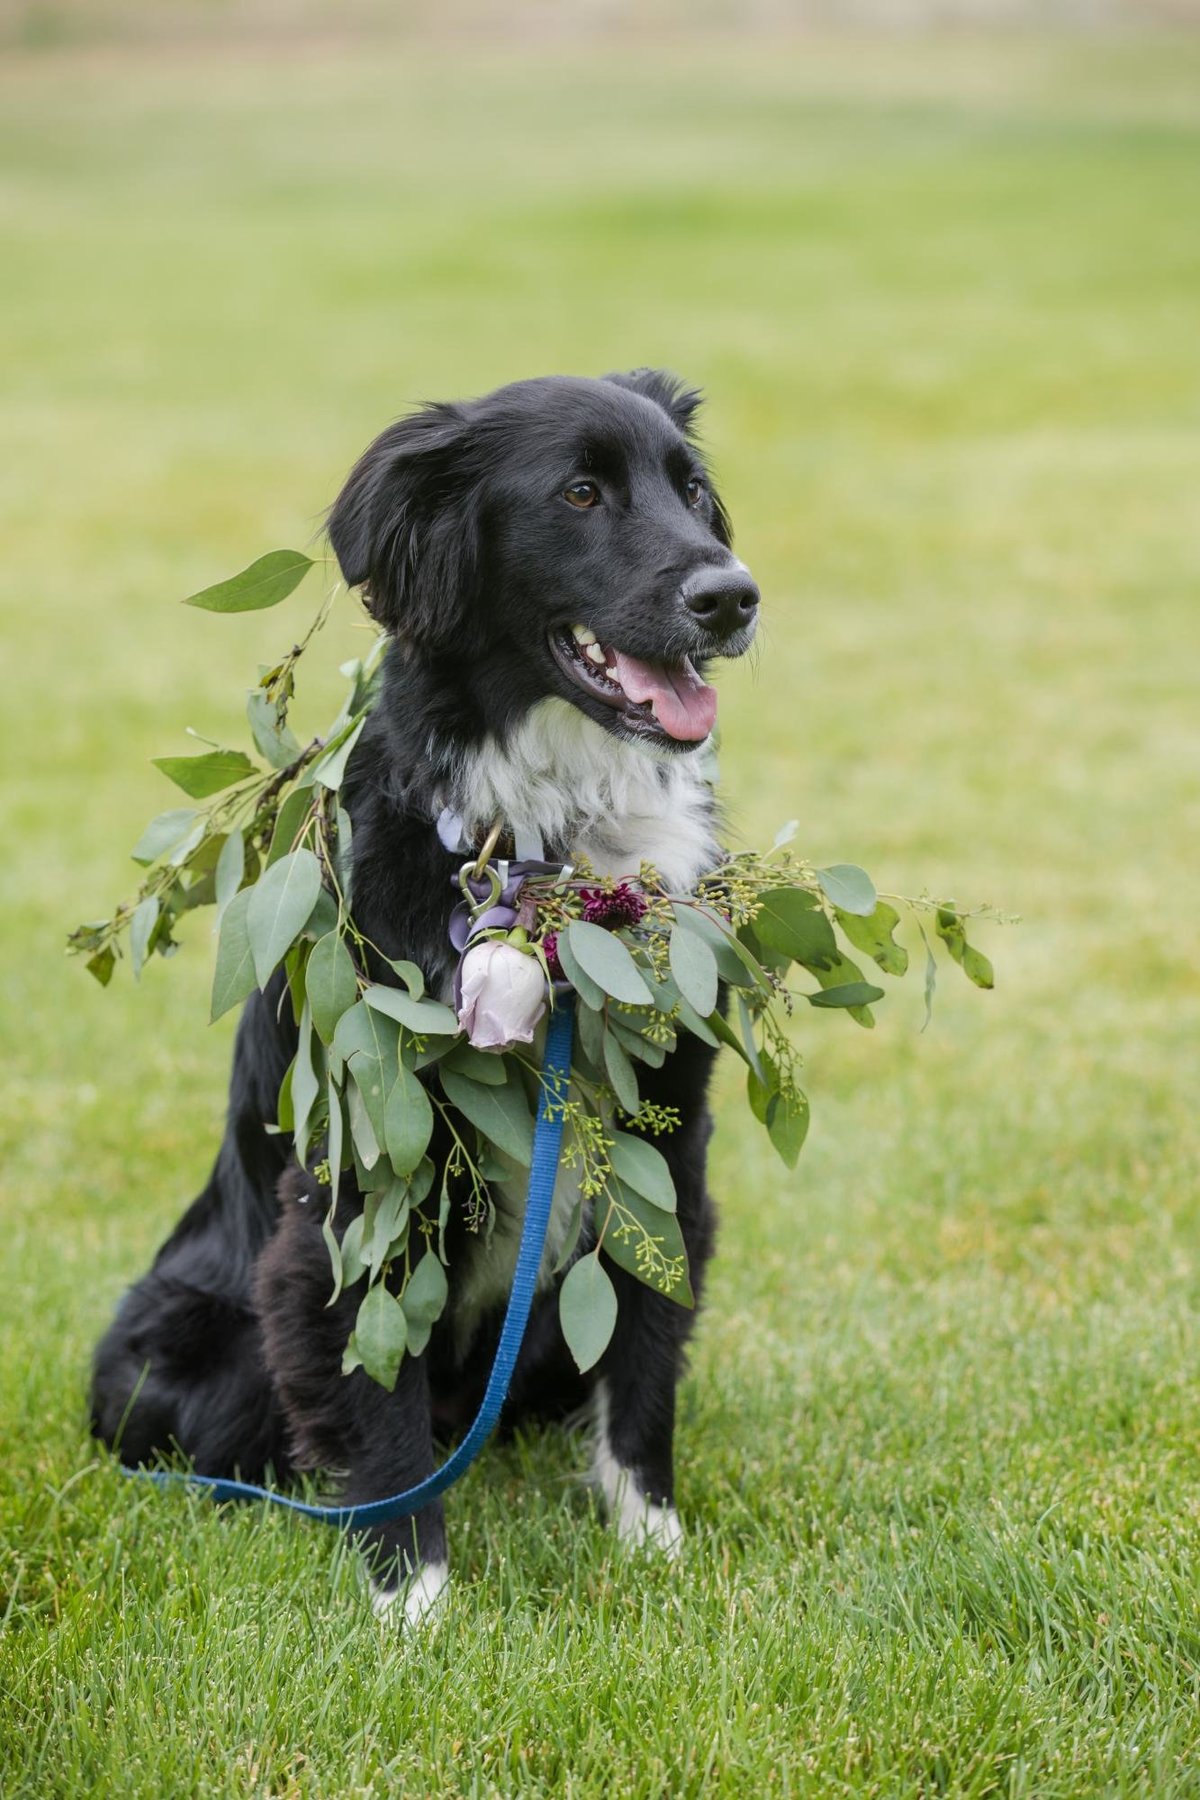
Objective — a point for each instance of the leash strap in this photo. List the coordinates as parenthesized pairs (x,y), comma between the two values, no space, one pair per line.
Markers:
(547,1144)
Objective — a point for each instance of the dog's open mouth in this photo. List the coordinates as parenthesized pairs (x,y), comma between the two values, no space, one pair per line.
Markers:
(664,700)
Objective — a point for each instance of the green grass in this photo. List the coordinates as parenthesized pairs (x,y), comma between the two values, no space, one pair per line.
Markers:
(937,1448)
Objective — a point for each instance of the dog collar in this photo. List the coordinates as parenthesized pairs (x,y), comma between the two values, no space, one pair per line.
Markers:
(520,845)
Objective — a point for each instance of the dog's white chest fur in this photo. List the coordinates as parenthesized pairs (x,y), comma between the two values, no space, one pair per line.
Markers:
(567,780)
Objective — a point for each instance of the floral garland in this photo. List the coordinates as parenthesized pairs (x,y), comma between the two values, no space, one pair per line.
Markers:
(379,1068)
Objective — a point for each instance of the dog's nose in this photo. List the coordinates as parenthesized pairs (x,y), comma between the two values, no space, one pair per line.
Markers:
(722,600)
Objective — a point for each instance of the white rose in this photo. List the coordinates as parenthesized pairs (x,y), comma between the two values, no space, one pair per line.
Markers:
(503,995)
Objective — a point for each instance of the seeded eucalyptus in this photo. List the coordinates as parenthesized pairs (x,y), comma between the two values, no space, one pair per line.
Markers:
(432,1106)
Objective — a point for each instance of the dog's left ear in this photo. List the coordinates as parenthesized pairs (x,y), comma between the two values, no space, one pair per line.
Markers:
(681,403)
(405,528)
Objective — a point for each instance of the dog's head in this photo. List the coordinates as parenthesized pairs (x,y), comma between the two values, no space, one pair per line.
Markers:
(558,537)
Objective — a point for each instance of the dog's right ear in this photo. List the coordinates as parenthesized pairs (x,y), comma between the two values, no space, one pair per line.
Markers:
(405,527)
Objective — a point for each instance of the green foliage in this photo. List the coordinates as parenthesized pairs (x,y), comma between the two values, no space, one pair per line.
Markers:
(265,583)
(587,1308)
(606,960)
(378,1064)
(973,964)
(379,1339)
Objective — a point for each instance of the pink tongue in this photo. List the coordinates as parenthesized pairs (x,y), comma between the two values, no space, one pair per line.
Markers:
(684,706)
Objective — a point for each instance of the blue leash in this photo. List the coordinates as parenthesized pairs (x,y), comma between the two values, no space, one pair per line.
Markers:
(547,1143)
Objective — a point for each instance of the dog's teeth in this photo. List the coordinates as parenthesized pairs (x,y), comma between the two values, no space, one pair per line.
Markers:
(596,654)
(582,634)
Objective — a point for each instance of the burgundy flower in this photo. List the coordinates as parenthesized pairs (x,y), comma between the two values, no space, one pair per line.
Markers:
(550,951)
(622,906)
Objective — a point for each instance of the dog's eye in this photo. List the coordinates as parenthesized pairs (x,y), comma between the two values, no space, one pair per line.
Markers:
(694,491)
(582,493)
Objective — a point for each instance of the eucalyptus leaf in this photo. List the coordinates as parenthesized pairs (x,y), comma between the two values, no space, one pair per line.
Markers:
(280,903)
(621,1073)
(141,927)
(746,1021)
(266,582)
(643,1168)
(385,1224)
(295,964)
(211,773)
(849,887)
(410,975)
(481,1065)
(848,994)
(701,1028)
(787,1124)
(736,964)
(330,982)
(381,1335)
(874,935)
(424,1300)
(343,851)
(289,821)
(305,1088)
(428,1018)
(335,1140)
(603,956)
(231,867)
(634,1044)
(272,739)
(285,1117)
(501,1113)
(374,1062)
(587,1311)
(362,1131)
(354,1265)
(102,964)
(724,1032)
(843,975)
(930,976)
(641,1238)
(334,1251)
(233,978)
(407,1122)
(590,1029)
(974,965)
(695,969)
(171,835)
(329,769)
(589,991)
(790,921)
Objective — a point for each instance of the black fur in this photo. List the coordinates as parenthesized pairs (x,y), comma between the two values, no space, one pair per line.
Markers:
(455,525)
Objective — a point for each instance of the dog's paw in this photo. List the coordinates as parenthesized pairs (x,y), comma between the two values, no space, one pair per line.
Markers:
(414,1604)
(642,1525)
(638,1521)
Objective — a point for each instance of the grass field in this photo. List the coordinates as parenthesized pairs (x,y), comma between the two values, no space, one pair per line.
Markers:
(938,1451)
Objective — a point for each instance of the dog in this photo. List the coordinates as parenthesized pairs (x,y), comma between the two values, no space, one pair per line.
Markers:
(553,568)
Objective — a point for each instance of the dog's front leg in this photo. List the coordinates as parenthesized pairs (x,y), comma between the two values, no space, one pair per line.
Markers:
(406,1557)
(633,1449)
(382,1441)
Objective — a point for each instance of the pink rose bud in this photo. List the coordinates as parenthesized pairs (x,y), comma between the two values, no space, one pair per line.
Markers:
(503,995)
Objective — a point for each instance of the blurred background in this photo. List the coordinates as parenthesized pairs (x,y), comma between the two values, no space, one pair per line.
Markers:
(937,267)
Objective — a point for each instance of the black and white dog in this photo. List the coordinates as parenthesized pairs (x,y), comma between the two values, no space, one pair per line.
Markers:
(554,568)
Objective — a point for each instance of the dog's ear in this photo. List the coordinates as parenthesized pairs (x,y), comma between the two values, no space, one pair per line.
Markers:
(405,527)
(680,402)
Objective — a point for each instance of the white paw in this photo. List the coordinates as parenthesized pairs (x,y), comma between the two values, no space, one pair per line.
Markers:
(416,1602)
(643,1525)
(639,1521)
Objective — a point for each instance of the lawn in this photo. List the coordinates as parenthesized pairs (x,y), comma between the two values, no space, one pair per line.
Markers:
(938,1451)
